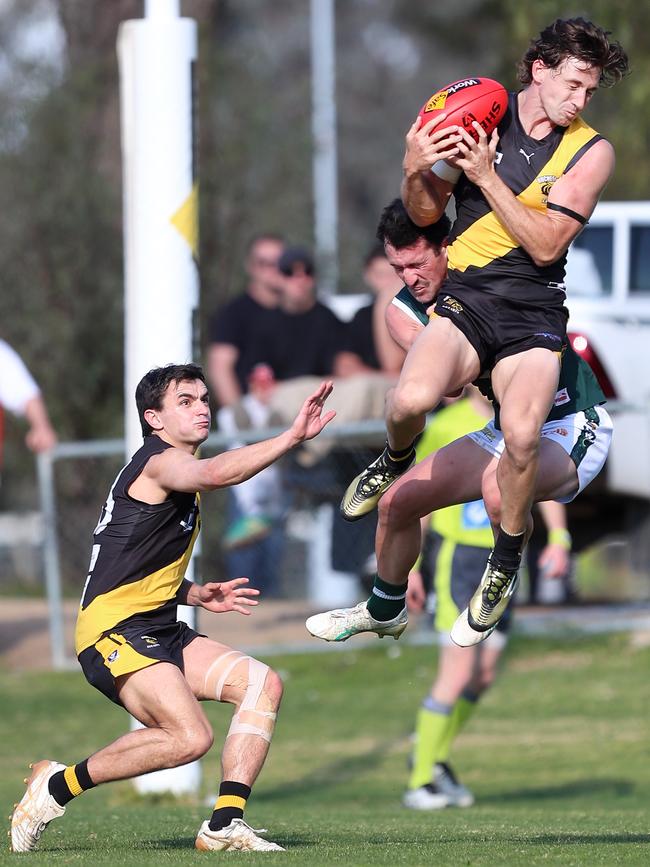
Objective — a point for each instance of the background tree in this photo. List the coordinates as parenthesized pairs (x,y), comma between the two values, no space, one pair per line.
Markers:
(60,168)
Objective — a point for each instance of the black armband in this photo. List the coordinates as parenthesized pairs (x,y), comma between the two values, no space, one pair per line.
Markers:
(576,216)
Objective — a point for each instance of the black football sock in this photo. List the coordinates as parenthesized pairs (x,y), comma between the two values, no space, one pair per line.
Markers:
(507,550)
(397,457)
(230,804)
(66,785)
(386,600)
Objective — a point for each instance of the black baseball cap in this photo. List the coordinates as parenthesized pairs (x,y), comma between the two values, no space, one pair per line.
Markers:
(293,256)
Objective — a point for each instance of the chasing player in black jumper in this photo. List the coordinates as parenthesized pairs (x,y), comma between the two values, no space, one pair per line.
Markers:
(129,643)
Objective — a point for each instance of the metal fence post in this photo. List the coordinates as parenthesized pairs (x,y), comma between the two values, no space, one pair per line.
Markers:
(45,469)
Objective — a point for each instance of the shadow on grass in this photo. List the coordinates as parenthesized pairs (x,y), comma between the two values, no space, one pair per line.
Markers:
(575,789)
(583,839)
(108,844)
(332,774)
(188,843)
(164,843)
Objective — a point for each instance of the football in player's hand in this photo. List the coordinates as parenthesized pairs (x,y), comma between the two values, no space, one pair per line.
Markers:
(469,99)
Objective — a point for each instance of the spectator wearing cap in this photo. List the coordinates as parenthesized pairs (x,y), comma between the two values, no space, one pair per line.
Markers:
(308,339)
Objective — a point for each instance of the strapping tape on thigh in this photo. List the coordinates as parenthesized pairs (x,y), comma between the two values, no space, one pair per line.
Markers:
(222,669)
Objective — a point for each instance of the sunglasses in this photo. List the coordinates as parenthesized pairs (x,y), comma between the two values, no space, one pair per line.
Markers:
(265,263)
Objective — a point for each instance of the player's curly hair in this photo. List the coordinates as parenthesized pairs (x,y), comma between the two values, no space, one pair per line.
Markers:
(396,227)
(151,389)
(576,37)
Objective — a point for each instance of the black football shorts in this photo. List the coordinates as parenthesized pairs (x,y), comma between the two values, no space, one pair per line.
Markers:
(498,327)
(133,645)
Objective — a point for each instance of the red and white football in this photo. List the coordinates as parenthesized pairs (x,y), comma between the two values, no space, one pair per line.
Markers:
(469,99)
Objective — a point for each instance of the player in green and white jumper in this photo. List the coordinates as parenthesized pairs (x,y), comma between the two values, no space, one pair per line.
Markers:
(574,443)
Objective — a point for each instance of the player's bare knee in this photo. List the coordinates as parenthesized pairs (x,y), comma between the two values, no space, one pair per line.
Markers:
(395,508)
(492,498)
(408,401)
(191,742)
(521,441)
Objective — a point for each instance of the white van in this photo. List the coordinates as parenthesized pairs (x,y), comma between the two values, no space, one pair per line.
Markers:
(608,295)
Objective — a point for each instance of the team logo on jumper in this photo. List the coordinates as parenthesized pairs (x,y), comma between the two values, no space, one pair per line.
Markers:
(190,521)
(546,182)
(149,641)
(561,397)
(449,303)
(112,656)
(561,431)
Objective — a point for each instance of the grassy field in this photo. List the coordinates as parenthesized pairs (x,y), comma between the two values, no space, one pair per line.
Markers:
(557,757)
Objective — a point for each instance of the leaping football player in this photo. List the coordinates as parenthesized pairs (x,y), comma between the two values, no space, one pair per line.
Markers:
(521,197)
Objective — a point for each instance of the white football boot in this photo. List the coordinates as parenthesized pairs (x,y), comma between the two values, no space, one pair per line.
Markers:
(36,809)
(446,781)
(236,836)
(340,624)
(427,797)
(463,635)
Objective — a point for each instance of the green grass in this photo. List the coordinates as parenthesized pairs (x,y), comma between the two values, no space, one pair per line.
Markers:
(557,757)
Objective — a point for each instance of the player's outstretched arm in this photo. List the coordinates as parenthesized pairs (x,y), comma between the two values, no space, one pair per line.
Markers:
(310,420)
(176,470)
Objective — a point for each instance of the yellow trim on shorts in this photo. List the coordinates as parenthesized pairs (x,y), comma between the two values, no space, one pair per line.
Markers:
(136,597)
(126,659)
(70,777)
(446,609)
(230,801)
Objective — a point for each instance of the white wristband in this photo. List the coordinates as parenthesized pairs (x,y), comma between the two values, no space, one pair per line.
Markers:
(445,172)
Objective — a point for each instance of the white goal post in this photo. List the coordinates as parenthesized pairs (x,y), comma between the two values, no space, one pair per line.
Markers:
(156,57)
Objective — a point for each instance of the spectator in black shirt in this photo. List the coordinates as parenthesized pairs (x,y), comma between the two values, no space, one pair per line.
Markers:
(237,330)
(308,337)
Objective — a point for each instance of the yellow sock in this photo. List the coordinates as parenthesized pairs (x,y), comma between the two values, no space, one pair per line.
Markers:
(462,711)
(432,721)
